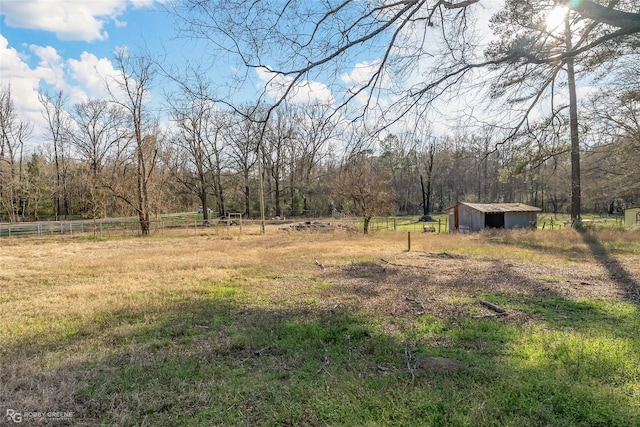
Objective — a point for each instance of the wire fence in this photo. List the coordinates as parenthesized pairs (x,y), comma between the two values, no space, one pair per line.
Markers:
(440,224)
(236,226)
(222,227)
(111,228)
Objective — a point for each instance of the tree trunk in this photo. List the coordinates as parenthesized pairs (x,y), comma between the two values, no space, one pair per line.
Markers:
(143,205)
(222,210)
(573,125)
(205,208)
(366,221)
(247,200)
(277,197)
(425,205)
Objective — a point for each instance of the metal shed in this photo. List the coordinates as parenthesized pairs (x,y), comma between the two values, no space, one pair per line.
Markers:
(632,217)
(471,217)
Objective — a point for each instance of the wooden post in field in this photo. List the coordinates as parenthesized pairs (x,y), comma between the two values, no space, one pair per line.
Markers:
(408,241)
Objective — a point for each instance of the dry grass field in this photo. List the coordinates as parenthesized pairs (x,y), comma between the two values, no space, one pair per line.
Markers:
(331,328)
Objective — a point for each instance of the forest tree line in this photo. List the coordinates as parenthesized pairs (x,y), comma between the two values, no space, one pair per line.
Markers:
(540,139)
(105,158)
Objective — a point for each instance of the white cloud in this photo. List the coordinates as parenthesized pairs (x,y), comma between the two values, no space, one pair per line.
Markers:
(373,95)
(361,73)
(79,79)
(23,80)
(305,92)
(146,3)
(90,73)
(69,19)
(51,65)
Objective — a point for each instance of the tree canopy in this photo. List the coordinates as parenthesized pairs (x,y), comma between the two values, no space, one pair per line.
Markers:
(395,59)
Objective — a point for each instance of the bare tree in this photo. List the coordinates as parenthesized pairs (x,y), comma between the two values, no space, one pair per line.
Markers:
(612,162)
(218,137)
(201,127)
(130,90)
(245,136)
(58,125)
(308,148)
(280,134)
(99,127)
(362,188)
(298,41)
(427,192)
(13,134)
(38,190)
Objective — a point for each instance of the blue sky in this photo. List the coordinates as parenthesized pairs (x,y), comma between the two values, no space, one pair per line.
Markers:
(68,45)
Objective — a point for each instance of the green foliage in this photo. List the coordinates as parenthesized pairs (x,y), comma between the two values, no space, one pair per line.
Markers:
(617,207)
(297,204)
(578,225)
(40,200)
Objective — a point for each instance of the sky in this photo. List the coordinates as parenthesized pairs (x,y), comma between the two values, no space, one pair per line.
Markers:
(69,45)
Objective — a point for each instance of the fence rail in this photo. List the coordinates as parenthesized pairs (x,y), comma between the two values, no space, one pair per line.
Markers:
(129,227)
(107,227)
(176,224)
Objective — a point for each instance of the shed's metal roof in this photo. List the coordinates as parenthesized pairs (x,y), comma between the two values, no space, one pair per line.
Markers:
(501,207)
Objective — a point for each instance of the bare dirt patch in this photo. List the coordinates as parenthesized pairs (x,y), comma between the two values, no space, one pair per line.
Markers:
(445,284)
(436,364)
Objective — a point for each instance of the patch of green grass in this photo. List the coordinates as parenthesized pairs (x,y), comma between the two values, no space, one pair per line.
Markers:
(324,285)
(215,361)
(219,351)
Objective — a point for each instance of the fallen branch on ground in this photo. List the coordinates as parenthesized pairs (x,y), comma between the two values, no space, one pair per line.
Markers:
(404,265)
(255,353)
(410,361)
(486,316)
(326,362)
(494,307)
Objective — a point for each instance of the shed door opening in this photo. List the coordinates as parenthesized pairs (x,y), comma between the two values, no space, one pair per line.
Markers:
(494,220)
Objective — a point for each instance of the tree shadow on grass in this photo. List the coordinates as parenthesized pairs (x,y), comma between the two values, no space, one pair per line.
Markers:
(569,246)
(222,359)
(629,285)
